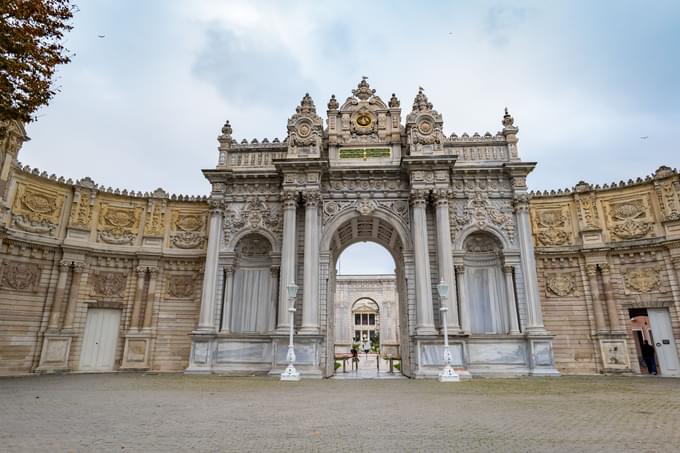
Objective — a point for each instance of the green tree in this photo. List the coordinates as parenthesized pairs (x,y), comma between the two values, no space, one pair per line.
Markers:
(31,33)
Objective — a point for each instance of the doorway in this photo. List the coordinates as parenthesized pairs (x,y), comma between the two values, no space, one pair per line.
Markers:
(653,325)
(100,340)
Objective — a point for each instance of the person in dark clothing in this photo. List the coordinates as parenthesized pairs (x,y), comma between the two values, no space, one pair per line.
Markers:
(648,355)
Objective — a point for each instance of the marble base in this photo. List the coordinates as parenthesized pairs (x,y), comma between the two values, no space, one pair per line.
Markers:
(55,353)
(137,351)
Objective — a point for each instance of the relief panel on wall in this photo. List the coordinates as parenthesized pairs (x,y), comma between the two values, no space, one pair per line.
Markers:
(37,209)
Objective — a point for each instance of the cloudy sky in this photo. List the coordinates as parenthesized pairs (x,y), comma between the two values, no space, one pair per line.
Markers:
(141,107)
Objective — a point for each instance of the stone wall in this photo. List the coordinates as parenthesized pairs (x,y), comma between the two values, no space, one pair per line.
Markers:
(602,251)
(70,247)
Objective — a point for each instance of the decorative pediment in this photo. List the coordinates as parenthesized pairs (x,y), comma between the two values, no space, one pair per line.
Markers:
(364,118)
(424,127)
(305,130)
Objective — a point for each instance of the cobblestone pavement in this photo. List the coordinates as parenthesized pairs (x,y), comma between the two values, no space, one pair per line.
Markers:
(149,413)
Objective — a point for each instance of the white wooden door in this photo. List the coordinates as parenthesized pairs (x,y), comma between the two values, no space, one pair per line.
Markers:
(664,343)
(100,339)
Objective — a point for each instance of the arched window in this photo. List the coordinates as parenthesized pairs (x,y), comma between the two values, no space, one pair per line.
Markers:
(484,284)
(253,308)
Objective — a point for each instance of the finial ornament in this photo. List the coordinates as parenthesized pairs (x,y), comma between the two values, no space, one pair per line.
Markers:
(333,103)
(306,105)
(226,130)
(508,120)
(394,102)
(421,103)
(363,90)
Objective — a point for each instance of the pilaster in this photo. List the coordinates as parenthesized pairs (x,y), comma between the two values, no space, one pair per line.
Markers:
(424,311)
(444,255)
(310,292)
(290,200)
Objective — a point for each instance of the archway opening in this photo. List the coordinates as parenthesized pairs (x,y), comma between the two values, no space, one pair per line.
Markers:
(367,299)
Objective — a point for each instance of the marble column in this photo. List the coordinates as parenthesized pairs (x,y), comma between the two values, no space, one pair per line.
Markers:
(445,259)
(287,258)
(78,268)
(59,293)
(591,270)
(462,300)
(150,297)
(528,264)
(139,295)
(206,321)
(612,310)
(310,285)
(226,301)
(424,310)
(512,303)
(274,295)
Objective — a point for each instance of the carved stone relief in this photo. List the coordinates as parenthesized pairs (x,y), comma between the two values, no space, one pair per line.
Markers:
(331,208)
(560,285)
(181,286)
(668,200)
(118,225)
(187,230)
(642,280)
(109,284)
(155,217)
(481,211)
(552,226)
(629,219)
(36,209)
(81,212)
(254,215)
(587,211)
(20,276)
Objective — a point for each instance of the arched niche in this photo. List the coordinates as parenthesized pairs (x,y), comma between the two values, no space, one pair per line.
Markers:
(253,304)
(484,283)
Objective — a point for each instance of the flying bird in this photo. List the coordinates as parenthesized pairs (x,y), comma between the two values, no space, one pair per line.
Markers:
(645,137)
(101,36)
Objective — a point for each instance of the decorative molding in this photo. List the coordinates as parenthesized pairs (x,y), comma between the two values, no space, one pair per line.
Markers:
(254,215)
(181,286)
(108,284)
(629,219)
(560,285)
(20,276)
(552,226)
(118,225)
(643,280)
(187,229)
(480,211)
(37,209)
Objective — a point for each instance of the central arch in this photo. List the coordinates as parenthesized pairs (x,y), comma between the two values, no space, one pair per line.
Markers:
(387,230)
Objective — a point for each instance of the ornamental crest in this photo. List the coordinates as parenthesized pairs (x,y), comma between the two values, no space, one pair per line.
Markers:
(111,284)
(481,211)
(629,220)
(187,230)
(118,225)
(644,280)
(181,286)
(254,215)
(331,208)
(551,226)
(560,285)
(20,276)
(37,210)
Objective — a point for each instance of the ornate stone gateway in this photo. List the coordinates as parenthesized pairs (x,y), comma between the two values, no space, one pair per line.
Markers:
(452,209)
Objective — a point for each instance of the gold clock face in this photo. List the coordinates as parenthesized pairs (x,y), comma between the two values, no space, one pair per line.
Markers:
(363,120)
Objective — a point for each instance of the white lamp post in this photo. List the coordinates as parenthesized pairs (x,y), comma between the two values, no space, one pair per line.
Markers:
(448,374)
(291,374)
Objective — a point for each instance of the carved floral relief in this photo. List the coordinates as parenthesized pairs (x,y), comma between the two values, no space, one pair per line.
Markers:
(643,280)
(81,212)
(181,286)
(629,219)
(552,226)
(118,225)
(187,229)
(480,211)
(110,284)
(20,276)
(36,209)
(254,215)
(560,285)
(331,208)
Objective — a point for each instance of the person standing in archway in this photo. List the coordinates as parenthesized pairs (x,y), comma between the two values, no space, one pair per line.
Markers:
(366,345)
(648,355)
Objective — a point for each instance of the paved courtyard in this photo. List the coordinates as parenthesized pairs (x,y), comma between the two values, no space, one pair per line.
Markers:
(148,413)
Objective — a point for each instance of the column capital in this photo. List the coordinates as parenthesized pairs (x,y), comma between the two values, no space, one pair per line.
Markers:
(442,196)
(64,265)
(289,198)
(215,207)
(521,202)
(79,266)
(140,270)
(311,198)
(507,268)
(459,268)
(604,268)
(591,270)
(676,262)
(153,270)
(418,198)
